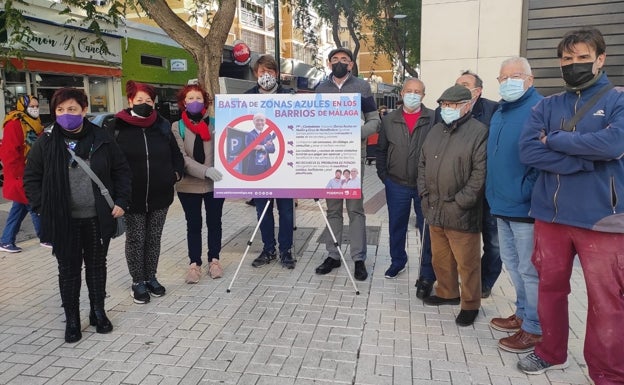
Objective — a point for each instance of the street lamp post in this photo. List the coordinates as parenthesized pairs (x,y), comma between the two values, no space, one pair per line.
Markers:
(402,18)
(276,25)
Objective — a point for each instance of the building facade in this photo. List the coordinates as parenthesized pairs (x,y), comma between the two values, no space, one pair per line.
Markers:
(478,35)
(62,55)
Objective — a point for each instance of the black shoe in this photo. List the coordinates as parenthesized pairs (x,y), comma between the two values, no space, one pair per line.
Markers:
(251,202)
(466,317)
(287,260)
(139,293)
(72,325)
(155,287)
(434,300)
(264,258)
(486,292)
(360,272)
(327,266)
(423,288)
(98,319)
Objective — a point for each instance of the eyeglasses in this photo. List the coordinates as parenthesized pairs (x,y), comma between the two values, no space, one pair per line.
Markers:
(504,78)
(453,105)
(343,60)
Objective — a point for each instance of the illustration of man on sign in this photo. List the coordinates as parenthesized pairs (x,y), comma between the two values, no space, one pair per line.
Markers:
(258,160)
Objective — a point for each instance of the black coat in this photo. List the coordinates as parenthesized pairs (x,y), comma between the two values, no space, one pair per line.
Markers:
(107,162)
(154,158)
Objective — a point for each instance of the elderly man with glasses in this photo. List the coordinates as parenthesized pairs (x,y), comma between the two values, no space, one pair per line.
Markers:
(451,176)
(508,189)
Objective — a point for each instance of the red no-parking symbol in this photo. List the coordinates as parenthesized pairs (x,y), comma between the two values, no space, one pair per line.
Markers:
(230,163)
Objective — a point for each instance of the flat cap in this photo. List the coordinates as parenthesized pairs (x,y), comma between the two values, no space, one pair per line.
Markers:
(341,49)
(456,93)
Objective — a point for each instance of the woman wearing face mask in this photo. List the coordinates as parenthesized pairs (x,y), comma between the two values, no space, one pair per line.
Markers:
(195,139)
(75,216)
(21,127)
(157,164)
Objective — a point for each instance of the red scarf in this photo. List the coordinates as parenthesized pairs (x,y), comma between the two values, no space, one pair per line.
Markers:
(200,128)
(136,121)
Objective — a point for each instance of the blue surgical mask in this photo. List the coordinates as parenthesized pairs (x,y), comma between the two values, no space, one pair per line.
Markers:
(449,115)
(411,101)
(511,89)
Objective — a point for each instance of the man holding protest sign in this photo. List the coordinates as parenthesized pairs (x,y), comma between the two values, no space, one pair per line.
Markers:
(266,71)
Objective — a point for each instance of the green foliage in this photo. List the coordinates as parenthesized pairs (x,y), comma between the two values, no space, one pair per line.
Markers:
(391,34)
(14,33)
(388,33)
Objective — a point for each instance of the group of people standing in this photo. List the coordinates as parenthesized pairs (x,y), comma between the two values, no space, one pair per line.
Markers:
(546,173)
(538,180)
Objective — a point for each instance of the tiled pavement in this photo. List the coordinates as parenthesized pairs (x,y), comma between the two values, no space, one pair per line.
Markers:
(276,327)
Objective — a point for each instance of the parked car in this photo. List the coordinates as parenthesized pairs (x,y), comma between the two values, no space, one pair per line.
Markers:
(99,118)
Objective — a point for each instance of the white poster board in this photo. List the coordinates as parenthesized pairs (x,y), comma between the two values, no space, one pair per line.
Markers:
(288,145)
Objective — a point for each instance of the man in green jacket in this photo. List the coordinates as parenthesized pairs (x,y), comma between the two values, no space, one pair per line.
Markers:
(402,134)
(451,177)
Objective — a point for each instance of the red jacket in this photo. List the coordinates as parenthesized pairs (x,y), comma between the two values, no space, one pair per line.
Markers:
(13,162)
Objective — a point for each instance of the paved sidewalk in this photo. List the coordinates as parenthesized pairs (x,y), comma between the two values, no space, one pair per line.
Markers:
(277,326)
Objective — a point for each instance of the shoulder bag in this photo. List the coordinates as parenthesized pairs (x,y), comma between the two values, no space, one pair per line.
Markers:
(121,222)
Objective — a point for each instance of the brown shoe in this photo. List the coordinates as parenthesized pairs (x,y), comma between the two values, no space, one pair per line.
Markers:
(520,342)
(510,324)
(215,270)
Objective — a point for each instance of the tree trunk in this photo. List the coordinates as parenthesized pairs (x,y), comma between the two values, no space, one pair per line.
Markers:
(207,51)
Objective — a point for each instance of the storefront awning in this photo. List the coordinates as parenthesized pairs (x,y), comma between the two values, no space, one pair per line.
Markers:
(64,67)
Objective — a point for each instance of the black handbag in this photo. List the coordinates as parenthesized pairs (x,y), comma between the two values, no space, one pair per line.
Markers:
(121,221)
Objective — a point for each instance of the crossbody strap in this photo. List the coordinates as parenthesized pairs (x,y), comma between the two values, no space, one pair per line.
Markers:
(87,169)
(570,125)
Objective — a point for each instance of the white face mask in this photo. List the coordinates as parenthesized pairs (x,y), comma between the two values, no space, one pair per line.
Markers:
(33,112)
(267,81)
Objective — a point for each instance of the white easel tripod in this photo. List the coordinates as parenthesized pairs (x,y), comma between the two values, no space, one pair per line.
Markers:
(253,235)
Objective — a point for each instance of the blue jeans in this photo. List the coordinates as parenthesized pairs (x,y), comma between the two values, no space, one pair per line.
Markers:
(491,264)
(399,199)
(267,226)
(191,203)
(516,249)
(14,222)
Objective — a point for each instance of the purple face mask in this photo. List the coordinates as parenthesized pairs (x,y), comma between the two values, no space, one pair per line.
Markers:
(69,122)
(195,108)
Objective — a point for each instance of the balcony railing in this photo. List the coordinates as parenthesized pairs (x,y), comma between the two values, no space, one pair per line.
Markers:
(252,19)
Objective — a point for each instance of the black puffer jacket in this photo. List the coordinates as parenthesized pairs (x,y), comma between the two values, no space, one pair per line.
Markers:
(107,162)
(154,158)
(451,174)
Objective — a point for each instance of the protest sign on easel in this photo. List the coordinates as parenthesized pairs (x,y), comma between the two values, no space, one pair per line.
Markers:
(288,146)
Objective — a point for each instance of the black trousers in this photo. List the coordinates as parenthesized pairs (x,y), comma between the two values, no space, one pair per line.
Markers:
(87,246)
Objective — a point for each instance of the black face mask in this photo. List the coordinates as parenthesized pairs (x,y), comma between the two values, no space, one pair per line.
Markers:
(143,109)
(577,73)
(339,70)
